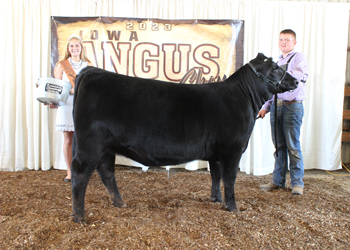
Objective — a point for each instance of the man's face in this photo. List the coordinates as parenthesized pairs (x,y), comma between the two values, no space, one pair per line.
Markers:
(286,43)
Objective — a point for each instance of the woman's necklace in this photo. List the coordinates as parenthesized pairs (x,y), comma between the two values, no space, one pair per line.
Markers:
(75,65)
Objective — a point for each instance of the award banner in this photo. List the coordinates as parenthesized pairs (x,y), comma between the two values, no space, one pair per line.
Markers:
(183,51)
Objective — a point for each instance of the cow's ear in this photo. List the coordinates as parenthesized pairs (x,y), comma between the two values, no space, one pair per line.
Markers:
(261,55)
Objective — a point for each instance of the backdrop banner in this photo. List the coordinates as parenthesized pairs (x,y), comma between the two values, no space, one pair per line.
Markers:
(182,51)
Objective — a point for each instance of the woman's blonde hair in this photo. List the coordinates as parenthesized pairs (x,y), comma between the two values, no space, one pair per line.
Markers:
(83,54)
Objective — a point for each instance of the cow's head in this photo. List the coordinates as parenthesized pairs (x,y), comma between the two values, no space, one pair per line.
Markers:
(279,80)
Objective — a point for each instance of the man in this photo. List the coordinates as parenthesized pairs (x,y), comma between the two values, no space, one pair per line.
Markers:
(290,112)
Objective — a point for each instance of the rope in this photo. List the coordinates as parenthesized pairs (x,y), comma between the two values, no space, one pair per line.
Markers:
(340,174)
(276,143)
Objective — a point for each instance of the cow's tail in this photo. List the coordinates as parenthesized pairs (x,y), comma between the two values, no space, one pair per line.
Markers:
(78,80)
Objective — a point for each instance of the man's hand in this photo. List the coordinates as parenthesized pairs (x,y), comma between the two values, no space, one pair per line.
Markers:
(262,113)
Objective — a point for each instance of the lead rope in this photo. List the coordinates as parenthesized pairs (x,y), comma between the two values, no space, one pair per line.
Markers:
(276,144)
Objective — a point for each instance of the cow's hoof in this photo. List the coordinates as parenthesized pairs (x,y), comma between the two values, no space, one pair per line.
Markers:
(77,220)
(119,204)
(216,200)
(81,221)
(232,208)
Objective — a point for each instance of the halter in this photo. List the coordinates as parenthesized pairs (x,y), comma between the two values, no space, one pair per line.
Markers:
(275,84)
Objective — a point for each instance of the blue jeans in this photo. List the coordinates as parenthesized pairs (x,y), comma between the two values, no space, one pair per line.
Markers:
(289,120)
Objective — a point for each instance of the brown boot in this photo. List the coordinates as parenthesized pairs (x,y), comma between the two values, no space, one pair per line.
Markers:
(269,187)
(297,190)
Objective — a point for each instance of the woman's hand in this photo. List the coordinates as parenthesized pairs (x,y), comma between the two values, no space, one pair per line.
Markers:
(71,92)
(53,106)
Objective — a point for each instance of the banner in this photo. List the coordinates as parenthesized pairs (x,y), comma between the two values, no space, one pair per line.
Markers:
(183,51)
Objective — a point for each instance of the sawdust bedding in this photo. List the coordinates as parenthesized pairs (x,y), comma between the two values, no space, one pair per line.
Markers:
(173,213)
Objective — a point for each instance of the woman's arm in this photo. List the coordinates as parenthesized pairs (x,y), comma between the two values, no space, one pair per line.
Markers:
(58,71)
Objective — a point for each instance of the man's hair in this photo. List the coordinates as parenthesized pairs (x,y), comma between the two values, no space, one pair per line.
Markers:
(289,31)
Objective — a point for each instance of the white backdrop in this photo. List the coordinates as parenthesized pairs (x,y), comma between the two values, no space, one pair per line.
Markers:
(28,140)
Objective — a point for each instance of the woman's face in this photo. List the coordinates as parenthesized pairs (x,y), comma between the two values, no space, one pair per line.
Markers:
(74,47)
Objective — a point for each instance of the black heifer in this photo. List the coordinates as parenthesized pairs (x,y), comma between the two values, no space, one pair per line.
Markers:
(160,123)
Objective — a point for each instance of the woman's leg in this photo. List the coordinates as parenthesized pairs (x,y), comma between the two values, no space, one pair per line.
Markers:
(67,150)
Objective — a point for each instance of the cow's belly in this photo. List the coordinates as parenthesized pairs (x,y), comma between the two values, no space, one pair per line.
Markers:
(150,155)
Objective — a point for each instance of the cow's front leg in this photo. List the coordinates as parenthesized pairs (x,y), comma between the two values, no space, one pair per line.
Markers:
(229,165)
(215,181)
(80,180)
(106,170)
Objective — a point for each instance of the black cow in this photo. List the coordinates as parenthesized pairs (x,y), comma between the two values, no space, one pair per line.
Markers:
(161,123)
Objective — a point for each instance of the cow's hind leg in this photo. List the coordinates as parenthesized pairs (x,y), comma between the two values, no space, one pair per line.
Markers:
(215,181)
(81,174)
(229,165)
(106,170)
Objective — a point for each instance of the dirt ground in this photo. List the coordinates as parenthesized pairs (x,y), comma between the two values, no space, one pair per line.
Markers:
(174,213)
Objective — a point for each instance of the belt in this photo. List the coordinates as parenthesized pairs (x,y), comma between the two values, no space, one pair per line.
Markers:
(280,102)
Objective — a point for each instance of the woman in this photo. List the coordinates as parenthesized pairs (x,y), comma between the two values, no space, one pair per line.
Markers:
(77,58)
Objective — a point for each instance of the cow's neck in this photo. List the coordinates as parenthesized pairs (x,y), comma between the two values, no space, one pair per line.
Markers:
(247,83)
